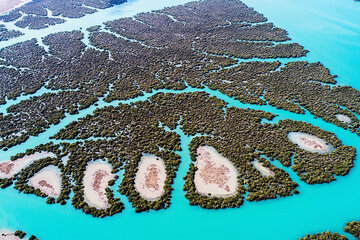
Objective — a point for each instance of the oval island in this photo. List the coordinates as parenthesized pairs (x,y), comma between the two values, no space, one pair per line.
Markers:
(150,177)
(48,180)
(310,142)
(215,174)
(96,180)
(9,168)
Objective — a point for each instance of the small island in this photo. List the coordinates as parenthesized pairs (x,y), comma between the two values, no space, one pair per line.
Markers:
(48,180)
(150,178)
(9,168)
(96,180)
(310,142)
(216,175)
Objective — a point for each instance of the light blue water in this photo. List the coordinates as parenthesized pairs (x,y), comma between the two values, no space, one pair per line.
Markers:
(330,30)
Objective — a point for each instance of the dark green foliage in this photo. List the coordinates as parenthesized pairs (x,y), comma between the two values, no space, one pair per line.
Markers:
(324,236)
(353,228)
(19,234)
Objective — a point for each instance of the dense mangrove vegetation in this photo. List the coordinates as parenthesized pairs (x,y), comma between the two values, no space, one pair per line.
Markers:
(6,34)
(44,13)
(324,236)
(353,228)
(199,44)
(238,134)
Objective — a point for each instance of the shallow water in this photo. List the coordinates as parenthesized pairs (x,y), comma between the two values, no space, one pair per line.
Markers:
(330,30)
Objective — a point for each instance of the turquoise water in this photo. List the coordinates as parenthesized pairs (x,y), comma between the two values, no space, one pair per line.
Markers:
(330,30)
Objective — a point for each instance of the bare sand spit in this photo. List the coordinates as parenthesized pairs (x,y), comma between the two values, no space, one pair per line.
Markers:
(48,180)
(264,171)
(7,5)
(343,118)
(310,143)
(7,235)
(216,175)
(150,177)
(96,180)
(10,168)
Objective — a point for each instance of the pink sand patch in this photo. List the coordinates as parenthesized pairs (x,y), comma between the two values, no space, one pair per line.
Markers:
(150,177)
(215,175)
(96,180)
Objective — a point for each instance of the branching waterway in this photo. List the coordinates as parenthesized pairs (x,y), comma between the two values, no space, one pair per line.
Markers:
(316,208)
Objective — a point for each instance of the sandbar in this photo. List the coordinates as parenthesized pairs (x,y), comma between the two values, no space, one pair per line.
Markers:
(216,175)
(150,177)
(7,5)
(264,171)
(343,118)
(96,180)
(8,235)
(9,168)
(48,180)
(310,142)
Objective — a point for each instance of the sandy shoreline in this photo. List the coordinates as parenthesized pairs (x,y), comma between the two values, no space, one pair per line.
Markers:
(10,168)
(264,171)
(48,180)
(96,180)
(150,177)
(8,5)
(343,118)
(7,235)
(216,175)
(310,142)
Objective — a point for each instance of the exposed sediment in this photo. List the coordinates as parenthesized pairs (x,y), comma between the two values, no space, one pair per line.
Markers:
(310,142)
(216,175)
(9,168)
(150,177)
(96,180)
(266,172)
(48,180)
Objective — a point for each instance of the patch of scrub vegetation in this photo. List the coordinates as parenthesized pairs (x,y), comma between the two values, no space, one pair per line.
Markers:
(35,14)
(205,44)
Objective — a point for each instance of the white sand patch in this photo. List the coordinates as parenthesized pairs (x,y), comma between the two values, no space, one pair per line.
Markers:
(96,180)
(343,118)
(10,168)
(310,143)
(264,171)
(65,159)
(7,5)
(150,177)
(7,235)
(48,180)
(216,175)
